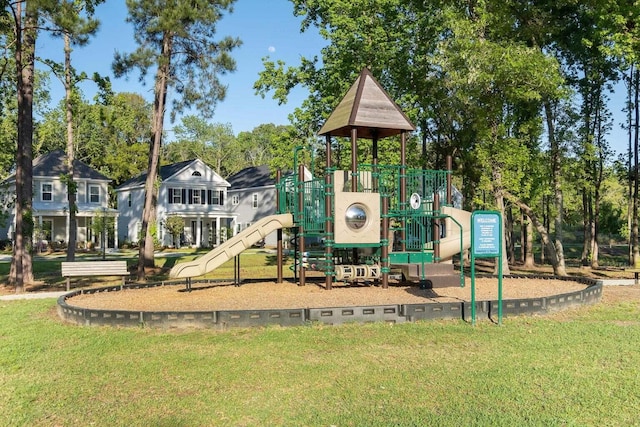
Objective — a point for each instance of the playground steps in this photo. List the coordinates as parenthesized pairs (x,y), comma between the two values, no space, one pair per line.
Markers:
(437,275)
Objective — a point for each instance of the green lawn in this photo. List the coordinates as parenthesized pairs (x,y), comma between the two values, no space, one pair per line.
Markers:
(254,263)
(577,368)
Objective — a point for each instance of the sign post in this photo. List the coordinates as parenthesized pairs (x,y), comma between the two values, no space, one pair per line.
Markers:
(486,242)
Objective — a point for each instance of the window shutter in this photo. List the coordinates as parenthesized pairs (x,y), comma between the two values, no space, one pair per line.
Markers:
(170,196)
(184,196)
(202,197)
(190,196)
(209,197)
(221,200)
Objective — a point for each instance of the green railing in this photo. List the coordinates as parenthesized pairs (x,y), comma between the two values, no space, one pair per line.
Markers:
(313,214)
(384,179)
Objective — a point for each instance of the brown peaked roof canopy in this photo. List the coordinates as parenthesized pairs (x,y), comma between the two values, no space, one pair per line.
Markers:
(368,108)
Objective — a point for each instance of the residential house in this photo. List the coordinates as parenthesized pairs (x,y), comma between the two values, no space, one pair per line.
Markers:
(50,205)
(190,189)
(253,196)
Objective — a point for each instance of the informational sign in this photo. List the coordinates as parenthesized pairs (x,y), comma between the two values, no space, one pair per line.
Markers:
(486,234)
(486,242)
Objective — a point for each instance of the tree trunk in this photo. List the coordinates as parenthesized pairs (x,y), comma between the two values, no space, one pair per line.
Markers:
(523,236)
(599,177)
(586,228)
(21,271)
(556,174)
(630,177)
(529,260)
(508,225)
(498,194)
(545,224)
(145,253)
(71,185)
(544,235)
(636,130)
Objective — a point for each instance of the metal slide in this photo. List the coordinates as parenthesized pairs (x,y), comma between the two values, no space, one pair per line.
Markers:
(232,247)
(450,245)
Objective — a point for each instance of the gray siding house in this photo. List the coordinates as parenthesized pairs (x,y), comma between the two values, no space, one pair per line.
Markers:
(50,206)
(253,196)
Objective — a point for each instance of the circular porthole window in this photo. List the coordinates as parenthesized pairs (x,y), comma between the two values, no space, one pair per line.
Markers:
(356,216)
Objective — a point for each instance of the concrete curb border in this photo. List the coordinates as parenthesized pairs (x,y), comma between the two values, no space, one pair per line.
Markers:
(226,319)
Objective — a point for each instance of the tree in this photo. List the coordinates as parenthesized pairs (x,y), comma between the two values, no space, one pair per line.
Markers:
(25,23)
(177,38)
(102,225)
(256,145)
(75,29)
(114,134)
(175,227)
(473,89)
(213,143)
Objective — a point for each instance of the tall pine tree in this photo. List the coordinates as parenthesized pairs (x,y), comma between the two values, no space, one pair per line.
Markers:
(177,38)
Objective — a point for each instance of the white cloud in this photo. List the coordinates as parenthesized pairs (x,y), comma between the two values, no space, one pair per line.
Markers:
(271,49)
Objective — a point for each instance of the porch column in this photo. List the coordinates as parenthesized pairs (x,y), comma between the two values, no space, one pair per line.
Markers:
(40,225)
(115,231)
(217,238)
(198,231)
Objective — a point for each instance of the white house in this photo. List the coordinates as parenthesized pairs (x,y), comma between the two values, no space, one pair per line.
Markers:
(190,189)
(50,205)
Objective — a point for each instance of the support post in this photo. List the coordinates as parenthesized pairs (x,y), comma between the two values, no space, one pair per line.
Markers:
(403,188)
(354,160)
(436,227)
(328,223)
(384,240)
(236,270)
(449,190)
(301,215)
(279,255)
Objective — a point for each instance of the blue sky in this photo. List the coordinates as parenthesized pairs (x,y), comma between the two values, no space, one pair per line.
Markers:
(266,28)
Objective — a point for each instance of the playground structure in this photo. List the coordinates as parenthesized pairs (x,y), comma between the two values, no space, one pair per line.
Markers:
(370,220)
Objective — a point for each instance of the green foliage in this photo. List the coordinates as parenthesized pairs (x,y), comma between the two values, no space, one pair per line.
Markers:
(153,232)
(258,145)
(175,226)
(214,144)
(102,223)
(181,36)
(113,138)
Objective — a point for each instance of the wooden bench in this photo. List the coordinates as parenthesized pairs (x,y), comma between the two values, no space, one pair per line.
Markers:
(94,268)
(636,272)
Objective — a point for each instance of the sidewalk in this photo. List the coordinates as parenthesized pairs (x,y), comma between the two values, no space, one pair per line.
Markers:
(31,295)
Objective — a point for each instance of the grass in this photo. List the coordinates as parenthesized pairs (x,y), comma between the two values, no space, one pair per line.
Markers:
(579,367)
(46,268)
(258,263)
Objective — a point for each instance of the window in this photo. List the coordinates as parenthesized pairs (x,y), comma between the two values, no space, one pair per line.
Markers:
(195,197)
(47,192)
(129,199)
(215,197)
(254,202)
(235,200)
(196,173)
(175,196)
(94,194)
